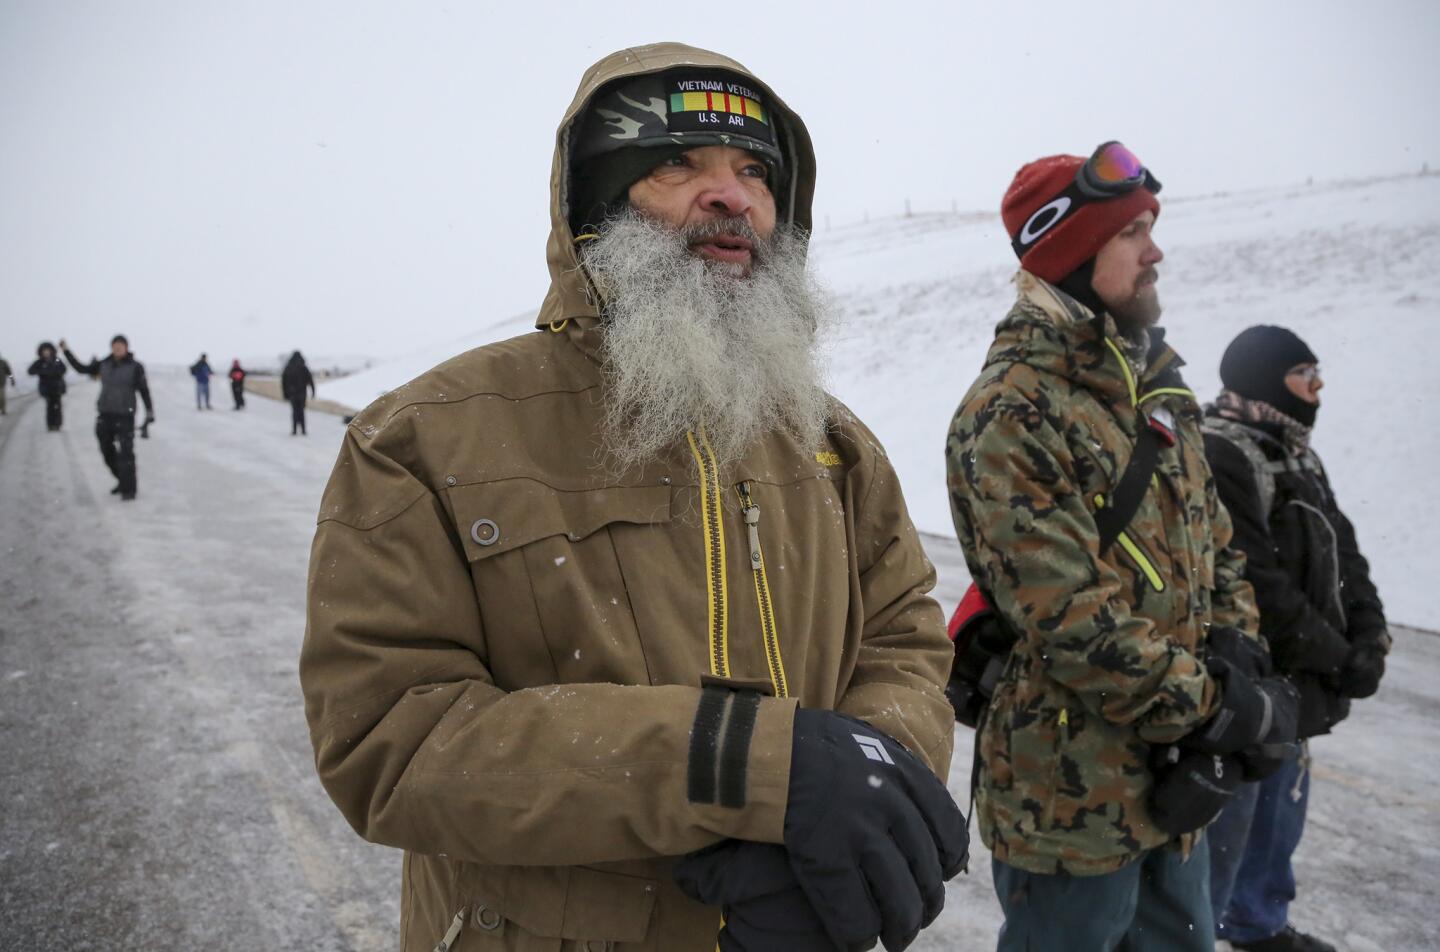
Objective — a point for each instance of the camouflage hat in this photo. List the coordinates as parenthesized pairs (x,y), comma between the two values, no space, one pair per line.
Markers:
(635,124)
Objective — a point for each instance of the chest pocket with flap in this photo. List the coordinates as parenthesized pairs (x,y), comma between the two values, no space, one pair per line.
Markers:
(549,581)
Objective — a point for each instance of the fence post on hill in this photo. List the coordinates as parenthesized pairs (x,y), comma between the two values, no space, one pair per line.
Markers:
(907,208)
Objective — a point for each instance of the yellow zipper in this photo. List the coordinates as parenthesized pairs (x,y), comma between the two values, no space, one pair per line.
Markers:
(1133,550)
(716,589)
(1162,391)
(1147,568)
(768,629)
(1124,369)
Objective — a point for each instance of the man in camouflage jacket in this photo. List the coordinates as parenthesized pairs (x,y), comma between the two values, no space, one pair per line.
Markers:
(1109,663)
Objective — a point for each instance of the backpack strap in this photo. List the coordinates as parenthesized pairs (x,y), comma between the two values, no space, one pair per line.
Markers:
(1247,441)
(1120,507)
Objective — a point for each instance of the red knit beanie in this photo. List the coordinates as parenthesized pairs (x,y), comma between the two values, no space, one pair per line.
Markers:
(1082,233)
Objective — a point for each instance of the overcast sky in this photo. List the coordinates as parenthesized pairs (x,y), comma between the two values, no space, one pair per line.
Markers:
(363,178)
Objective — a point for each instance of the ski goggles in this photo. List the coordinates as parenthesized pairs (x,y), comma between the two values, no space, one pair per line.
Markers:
(1111,171)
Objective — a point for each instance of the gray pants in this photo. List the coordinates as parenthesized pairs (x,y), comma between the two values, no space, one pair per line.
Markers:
(1159,902)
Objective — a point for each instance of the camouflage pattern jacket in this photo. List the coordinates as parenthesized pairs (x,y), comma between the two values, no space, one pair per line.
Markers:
(1108,661)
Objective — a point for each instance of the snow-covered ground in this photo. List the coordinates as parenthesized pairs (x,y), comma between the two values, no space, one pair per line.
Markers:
(1352,267)
(156,771)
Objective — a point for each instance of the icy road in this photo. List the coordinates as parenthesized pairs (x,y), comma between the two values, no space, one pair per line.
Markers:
(155,769)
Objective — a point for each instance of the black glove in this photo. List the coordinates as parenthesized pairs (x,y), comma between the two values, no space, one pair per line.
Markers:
(1246,712)
(1364,667)
(1281,744)
(1249,655)
(1191,788)
(872,834)
(765,909)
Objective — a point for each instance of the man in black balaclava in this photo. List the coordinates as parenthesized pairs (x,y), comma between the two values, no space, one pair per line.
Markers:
(1327,631)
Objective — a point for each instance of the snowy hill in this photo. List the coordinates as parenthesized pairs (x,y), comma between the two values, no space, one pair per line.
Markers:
(1350,266)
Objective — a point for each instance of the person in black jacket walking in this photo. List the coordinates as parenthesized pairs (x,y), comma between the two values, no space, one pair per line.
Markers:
(5,377)
(122,379)
(293,382)
(51,370)
(1319,611)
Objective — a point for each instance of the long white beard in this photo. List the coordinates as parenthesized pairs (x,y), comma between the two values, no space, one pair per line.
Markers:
(689,343)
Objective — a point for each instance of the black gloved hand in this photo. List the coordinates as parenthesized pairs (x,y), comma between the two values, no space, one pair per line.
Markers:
(1191,788)
(1249,655)
(1281,744)
(872,834)
(1364,667)
(1246,711)
(765,909)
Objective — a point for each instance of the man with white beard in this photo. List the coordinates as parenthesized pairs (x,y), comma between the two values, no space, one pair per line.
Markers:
(621,625)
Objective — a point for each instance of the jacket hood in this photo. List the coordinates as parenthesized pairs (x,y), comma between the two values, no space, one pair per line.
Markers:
(570,296)
(1050,330)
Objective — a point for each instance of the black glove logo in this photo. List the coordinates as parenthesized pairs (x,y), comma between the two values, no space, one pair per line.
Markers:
(873,749)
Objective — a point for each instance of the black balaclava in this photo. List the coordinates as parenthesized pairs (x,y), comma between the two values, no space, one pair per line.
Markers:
(634,124)
(1255,365)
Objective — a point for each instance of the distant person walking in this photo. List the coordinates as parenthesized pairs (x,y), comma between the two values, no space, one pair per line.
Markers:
(237,384)
(293,382)
(202,373)
(6,377)
(122,379)
(50,370)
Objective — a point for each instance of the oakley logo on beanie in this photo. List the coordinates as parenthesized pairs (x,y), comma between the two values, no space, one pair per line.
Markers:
(1041,221)
(1053,232)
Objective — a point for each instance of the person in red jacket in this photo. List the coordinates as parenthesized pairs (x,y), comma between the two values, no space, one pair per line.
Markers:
(237,383)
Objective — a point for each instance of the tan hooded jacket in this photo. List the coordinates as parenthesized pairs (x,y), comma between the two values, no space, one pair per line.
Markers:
(507,641)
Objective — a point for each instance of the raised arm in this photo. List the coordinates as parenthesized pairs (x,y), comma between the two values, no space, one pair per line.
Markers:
(90,369)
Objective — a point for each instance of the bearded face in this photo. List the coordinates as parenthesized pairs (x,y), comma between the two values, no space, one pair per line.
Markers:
(1125,275)
(691,342)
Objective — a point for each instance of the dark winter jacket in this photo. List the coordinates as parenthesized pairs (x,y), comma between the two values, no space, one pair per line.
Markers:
(237,374)
(1311,582)
(120,382)
(295,379)
(201,371)
(52,376)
